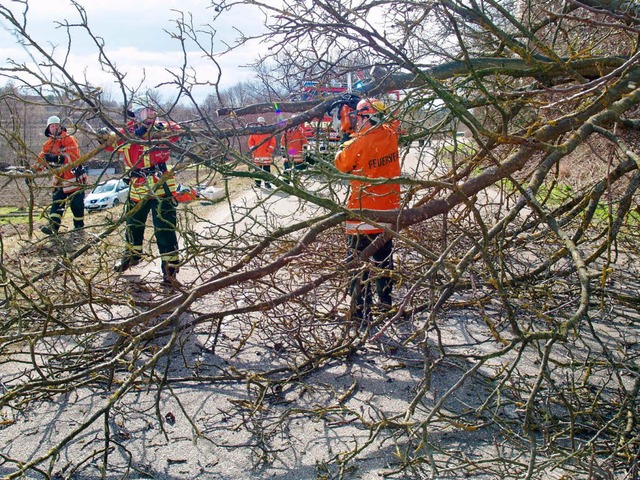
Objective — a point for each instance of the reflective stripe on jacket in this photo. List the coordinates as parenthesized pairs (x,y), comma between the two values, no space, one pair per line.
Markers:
(262,152)
(294,140)
(373,154)
(140,160)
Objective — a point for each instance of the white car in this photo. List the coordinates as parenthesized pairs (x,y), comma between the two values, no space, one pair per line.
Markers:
(106,195)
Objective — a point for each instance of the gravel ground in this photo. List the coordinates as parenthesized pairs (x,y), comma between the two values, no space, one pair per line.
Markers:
(204,430)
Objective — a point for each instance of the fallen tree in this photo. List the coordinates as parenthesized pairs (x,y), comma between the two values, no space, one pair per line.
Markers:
(511,349)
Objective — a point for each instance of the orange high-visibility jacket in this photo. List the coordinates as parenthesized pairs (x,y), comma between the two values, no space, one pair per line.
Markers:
(294,140)
(374,154)
(262,152)
(67,146)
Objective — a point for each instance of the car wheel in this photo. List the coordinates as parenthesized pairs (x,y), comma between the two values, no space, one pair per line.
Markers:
(116,202)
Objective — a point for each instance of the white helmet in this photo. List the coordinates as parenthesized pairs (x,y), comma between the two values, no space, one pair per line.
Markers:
(50,121)
(145,115)
(261,120)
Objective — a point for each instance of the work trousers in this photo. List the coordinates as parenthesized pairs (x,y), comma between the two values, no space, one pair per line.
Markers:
(163,211)
(59,203)
(360,285)
(290,165)
(266,168)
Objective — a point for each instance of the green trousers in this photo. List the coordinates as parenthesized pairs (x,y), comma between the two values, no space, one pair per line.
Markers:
(163,211)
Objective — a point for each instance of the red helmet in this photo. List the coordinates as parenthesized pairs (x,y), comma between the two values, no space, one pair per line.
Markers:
(372,109)
(370,106)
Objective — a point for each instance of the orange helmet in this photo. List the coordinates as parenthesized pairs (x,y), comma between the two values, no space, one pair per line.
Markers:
(372,108)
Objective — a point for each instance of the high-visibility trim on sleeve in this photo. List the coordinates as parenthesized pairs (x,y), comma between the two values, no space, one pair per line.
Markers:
(355,227)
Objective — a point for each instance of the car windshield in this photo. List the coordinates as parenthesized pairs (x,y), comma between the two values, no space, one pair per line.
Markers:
(104,188)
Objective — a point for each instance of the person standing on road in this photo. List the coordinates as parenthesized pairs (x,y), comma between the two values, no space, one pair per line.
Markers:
(372,152)
(262,146)
(59,152)
(152,189)
(293,142)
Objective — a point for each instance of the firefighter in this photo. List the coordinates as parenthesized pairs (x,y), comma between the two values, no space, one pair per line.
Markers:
(151,189)
(262,147)
(293,142)
(371,152)
(59,151)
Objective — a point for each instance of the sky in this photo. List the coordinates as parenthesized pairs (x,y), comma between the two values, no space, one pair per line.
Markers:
(134,32)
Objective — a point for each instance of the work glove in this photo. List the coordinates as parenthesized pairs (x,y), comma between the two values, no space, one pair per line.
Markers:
(29,180)
(54,159)
(106,137)
(79,171)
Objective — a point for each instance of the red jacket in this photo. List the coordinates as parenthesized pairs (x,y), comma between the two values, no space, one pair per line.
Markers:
(294,140)
(146,163)
(262,152)
(66,146)
(372,153)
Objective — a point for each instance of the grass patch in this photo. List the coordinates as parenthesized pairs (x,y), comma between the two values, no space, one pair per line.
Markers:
(461,146)
(561,193)
(13,216)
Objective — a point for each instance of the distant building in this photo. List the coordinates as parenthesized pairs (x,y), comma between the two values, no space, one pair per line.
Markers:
(23,119)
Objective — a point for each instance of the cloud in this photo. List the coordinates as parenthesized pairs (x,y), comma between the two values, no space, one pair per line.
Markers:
(138,39)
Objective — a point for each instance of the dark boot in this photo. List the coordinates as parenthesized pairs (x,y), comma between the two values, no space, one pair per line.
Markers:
(169,274)
(126,262)
(50,230)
